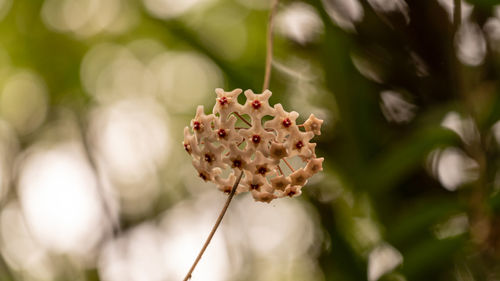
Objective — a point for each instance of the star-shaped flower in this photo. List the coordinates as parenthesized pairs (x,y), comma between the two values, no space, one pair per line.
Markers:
(299,177)
(298,143)
(190,145)
(205,172)
(263,196)
(257,105)
(315,165)
(227,102)
(202,125)
(254,181)
(226,184)
(293,191)
(283,122)
(280,182)
(261,164)
(212,156)
(278,151)
(216,146)
(258,138)
(225,132)
(313,124)
(237,158)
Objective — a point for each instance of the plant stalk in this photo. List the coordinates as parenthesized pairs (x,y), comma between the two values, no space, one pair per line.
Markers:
(214,228)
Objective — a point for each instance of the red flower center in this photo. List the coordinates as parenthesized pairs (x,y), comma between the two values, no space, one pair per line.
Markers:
(223,101)
(187,147)
(254,186)
(262,170)
(256,104)
(287,123)
(299,145)
(256,139)
(222,133)
(236,163)
(196,125)
(208,158)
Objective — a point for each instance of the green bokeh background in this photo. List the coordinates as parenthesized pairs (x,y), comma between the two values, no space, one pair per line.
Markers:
(381,182)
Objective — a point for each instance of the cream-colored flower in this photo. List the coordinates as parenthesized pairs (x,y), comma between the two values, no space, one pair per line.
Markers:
(293,191)
(258,138)
(283,122)
(315,165)
(262,165)
(299,177)
(298,143)
(226,184)
(202,125)
(227,102)
(313,124)
(190,145)
(216,145)
(225,132)
(238,158)
(280,182)
(263,196)
(278,151)
(212,155)
(254,181)
(257,105)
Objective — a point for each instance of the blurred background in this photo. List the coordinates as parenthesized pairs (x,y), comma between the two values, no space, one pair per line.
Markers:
(95,185)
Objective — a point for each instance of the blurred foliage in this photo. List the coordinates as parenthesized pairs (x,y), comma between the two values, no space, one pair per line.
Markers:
(386,181)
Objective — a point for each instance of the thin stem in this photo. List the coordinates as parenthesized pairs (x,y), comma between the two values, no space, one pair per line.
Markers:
(269,45)
(242,119)
(289,166)
(279,168)
(217,223)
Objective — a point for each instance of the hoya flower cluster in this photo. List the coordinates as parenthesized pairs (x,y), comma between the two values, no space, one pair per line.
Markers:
(221,150)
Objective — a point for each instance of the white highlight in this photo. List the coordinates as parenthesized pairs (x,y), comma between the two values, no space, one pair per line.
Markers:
(59,198)
(299,22)
(345,13)
(383,259)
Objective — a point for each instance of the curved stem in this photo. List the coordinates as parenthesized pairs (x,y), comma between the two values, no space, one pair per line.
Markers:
(269,45)
(214,228)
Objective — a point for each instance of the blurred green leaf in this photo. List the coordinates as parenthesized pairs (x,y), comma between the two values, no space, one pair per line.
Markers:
(426,259)
(417,220)
(404,156)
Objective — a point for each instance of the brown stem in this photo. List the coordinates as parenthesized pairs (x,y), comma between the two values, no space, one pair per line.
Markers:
(242,119)
(279,168)
(289,166)
(269,45)
(214,228)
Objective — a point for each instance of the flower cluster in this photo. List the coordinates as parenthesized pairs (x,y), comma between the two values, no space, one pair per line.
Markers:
(217,145)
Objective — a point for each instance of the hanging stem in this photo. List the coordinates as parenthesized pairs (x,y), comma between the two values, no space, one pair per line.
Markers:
(217,223)
(269,45)
(267,76)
